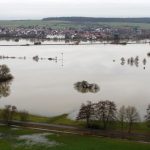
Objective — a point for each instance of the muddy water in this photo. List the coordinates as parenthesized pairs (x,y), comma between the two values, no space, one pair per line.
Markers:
(46,87)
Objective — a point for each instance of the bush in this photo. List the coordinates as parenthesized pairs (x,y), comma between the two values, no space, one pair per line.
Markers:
(5,73)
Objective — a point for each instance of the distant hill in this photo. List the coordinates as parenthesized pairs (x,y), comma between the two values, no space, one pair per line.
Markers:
(90,19)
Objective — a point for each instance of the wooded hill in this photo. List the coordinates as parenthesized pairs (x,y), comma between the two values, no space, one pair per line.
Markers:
(91,19)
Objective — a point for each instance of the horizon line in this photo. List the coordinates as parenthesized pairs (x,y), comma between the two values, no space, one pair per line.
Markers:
(146,17)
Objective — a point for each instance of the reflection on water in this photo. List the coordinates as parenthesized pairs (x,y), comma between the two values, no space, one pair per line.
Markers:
(133,61)
(5,80)
(148,54)
(46,88)
(5,89)
(11,57)
(85,87)
(36,58)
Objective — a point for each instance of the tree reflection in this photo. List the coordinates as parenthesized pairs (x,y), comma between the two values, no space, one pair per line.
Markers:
(5,81)
(5,89)
(148,54)
(133,61)
(85,87)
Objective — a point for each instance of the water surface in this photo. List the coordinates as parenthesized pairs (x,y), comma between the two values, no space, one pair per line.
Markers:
(46,87)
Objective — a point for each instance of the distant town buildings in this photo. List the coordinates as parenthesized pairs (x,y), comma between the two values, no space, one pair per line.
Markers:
(101,33)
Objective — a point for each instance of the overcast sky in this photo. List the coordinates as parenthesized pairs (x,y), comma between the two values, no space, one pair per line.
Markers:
(37,9)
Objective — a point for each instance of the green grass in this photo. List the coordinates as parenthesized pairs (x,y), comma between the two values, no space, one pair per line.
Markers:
(66,24)
(32,118)
(60,119)
(67,142)
(140,127)
(127,25)
(8,131)
(27,23)
(75,142)
(64,120)
(35,118)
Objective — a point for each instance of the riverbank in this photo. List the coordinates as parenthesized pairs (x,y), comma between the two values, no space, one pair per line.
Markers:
(63,119)
(71,44)
(62,123)
(139,137)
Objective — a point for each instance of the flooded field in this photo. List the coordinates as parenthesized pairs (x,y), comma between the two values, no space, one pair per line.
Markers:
(46,87)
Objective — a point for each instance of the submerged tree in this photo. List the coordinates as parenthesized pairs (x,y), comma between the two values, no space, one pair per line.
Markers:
(86,112)
(85,87)
(105,112)
(148,54)
(5,74)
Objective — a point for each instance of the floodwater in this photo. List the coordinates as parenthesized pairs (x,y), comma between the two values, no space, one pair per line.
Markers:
(46,87)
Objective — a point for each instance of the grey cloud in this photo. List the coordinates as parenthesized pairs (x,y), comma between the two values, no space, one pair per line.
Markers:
(37,9)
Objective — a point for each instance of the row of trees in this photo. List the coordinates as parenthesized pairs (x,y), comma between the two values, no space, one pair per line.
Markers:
(10,113)
(105,114)
(100,19)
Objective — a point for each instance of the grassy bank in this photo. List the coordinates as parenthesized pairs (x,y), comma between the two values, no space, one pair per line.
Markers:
(60,119)
(9,139)
(65,120)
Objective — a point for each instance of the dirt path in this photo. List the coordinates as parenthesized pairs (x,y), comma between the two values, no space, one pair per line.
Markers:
(140,137)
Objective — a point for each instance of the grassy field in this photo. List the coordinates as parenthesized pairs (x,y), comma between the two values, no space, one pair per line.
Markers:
(27,23)
(65,120)
(65,24)
(10,140)
(60,119)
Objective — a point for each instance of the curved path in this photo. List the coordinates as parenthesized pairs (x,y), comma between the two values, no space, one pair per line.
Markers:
(141,137)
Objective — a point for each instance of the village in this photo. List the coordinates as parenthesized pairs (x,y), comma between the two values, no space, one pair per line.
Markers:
(103,33)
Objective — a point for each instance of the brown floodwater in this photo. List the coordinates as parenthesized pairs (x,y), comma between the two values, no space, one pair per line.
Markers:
(46,87)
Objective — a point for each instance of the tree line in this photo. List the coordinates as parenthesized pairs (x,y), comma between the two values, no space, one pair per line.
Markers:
(94,19)
(10,113)
(104,114)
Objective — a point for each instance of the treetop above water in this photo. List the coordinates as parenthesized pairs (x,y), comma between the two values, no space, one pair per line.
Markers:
(5,74)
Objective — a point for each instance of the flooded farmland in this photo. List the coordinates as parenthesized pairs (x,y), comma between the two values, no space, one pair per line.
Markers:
(46,86)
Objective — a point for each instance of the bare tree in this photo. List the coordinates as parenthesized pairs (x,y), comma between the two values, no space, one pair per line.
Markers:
(147,117)
(85,113)
(8,113)
(105,112)
(132,117)
(85,87)
(122,116)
